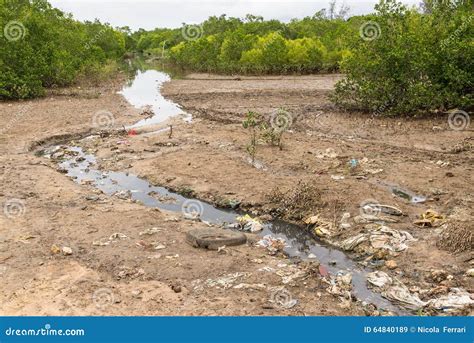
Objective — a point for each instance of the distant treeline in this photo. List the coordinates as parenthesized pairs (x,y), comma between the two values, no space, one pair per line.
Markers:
(397,60)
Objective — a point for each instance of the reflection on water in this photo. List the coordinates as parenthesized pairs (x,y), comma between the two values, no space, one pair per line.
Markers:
(144,90)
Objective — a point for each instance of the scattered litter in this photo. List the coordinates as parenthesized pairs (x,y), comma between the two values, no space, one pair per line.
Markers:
(391,264)
(160,247)
(379,279)
(25,238)
(272,244)
(267,269)
(382,237)
(55,249)
(323,271)
(344,223)
(368,218)
(152,257)
(341,286)
(312,256)
(106,241)
(430,218)
(455,300)
(247,223)
(255,286)
(282,297)
(123,195)
(67,251)
(321,227)
(227,281)
(171,257)
(394,290)
(442,164)
(150,232)
(337,177)
(470,272)
(290,275)
(328,153)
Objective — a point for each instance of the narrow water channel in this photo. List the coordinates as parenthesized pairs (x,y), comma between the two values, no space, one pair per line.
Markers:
(145,91)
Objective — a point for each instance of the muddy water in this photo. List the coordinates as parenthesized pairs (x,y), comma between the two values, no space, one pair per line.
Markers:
(82,167)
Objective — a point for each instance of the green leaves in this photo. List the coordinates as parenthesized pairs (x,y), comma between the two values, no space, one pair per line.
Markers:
(44,48)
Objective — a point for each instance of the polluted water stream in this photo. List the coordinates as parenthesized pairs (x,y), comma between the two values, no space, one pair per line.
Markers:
(145,91)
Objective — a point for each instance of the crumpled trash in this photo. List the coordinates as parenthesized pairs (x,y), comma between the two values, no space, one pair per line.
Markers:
(341,286)
(247,223)
(150,231)
(368,218)
(328,153)
(272,244)
(455,300)
(430,218)
(321,227)
(382,237)
(344,223)
(394,290)
(226,281)
(113,237)
(379,278)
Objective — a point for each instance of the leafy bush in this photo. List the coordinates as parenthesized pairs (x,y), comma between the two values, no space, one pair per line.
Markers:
(406,61)
(43,47)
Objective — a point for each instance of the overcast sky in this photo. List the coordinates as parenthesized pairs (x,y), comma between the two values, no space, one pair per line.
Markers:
(149,14)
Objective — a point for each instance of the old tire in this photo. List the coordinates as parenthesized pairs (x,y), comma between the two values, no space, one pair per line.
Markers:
(213,239)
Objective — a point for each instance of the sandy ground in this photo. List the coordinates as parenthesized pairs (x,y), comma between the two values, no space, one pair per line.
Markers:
(422,155)
(48,263)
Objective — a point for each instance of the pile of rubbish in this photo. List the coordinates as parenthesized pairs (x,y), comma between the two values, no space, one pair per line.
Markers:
(341,286)
(378,237)
(391,288)
(274,245)
(249,224)
(430,218)
(321,227)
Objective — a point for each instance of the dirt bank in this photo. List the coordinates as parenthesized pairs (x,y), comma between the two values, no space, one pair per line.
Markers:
(67,249)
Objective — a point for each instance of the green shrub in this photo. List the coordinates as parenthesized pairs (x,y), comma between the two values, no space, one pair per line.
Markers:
(406,61)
